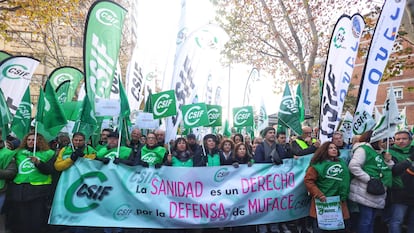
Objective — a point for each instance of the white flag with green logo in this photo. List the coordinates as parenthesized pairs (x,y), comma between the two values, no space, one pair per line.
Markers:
(163,104)
(243,116)
(387,126)
(194,115)
(15,75)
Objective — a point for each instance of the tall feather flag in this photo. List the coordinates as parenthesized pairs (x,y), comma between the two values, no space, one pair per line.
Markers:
(21,121)
(5,115)
(338,70)
(381,47)
(288,115)
(50,116)
(102,41)
(390,119)
(299,103)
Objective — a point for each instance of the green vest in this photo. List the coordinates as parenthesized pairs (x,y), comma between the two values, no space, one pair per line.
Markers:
(104,152)
(303,145)
(153,156)
(6,157)
(213,160)
(27,172)
(375,166)
(400,154)
(175,162)
(333,178)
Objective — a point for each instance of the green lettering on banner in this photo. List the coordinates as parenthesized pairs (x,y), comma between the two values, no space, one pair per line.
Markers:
(76,187)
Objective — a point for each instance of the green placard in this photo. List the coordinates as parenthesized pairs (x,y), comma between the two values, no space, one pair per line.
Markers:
(163,104)
(243,116)
(195,115)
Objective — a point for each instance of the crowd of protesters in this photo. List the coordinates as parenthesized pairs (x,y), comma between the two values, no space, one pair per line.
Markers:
(30,169)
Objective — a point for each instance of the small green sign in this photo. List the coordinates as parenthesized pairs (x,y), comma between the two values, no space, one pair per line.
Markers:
(163,104)
(195,115)
(243,116)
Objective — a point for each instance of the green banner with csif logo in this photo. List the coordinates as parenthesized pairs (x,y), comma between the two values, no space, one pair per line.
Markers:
(243,116)
(93,194)
(194,115)
(163,104)
(214,113)
(102,41)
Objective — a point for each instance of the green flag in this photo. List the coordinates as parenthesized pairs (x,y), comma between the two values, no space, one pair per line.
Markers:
(21,121)
(289,113)
(124,120)
(49,114)
(243,116)
(194,115)
(87,123)
(214,114)
(68,74)
(62,92)
(299,103)
(102,40)
(4,55)
(148,104)
(163,104)
(5,117)
(226,130)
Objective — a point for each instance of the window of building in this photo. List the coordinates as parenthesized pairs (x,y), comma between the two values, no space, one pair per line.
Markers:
(398,92)
(76,42)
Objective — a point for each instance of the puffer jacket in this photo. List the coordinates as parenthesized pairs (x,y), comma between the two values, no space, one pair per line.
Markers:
(358,188)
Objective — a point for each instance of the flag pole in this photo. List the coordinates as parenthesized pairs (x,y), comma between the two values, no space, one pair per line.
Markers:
(35,139)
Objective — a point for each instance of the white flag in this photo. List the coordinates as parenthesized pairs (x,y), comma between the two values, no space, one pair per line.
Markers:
(15,76)
(380,49)
(387,126)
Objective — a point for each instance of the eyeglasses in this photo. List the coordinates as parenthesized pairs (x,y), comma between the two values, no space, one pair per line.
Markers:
(307,132)
(151,138)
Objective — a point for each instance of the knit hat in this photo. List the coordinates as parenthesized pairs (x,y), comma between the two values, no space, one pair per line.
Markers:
(191,136)
(113,135)
(267,129)
(212,136)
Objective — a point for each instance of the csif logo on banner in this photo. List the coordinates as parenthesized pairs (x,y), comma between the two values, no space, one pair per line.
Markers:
(213,116)
(162,104)
(242,116)
(193,115)
(60,78)
(93,193)
(107,17)
(16,71)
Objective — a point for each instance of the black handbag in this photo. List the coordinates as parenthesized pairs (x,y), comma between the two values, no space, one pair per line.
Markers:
(375,187)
